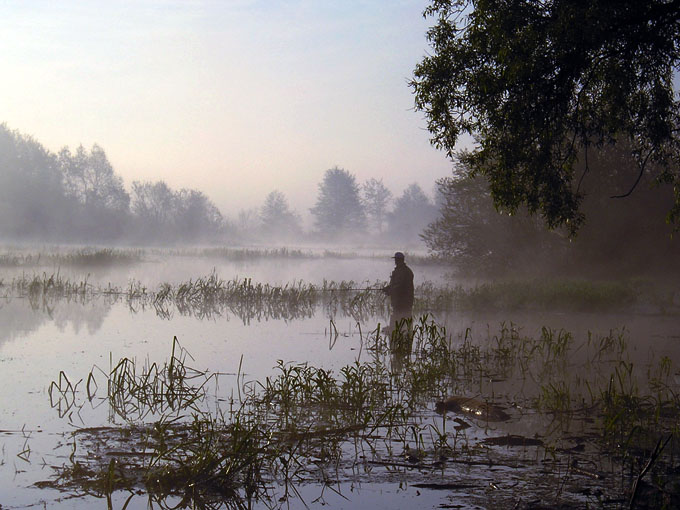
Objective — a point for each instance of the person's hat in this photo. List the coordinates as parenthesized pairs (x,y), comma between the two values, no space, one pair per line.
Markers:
(398,256)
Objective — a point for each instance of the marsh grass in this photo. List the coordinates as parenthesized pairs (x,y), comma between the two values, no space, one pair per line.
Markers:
(42,290)
(307,422)
(247,254)
(211,296)
(82,257)
(254,253)
(169,389)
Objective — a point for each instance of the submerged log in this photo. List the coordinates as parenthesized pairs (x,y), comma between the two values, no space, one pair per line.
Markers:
(473,408)
(512,440)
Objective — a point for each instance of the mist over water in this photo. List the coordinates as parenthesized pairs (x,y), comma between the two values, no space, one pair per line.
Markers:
(47,333)
(252,296)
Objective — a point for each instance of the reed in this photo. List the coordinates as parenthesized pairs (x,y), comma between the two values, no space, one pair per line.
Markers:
(81,257)
(211,296)
(304,422)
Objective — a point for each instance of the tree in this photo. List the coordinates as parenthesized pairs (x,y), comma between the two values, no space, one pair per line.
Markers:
(196,216)
(153,205)
(338,207)
(539,84)
(471,231)
(163,214)
(248,222)
(32,198)
(620,237)
(413,210)
(276,217)
(89,180)
(376,198)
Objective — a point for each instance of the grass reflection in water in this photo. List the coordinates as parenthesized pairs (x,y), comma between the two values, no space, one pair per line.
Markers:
(592,423)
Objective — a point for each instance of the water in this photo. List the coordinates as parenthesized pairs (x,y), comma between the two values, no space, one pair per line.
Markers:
(37,342)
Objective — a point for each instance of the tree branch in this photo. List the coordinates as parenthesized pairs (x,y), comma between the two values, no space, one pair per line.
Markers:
(637,181)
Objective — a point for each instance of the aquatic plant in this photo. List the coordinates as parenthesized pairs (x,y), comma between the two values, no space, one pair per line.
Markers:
(166,390)
(83,257)
(211,296)
(307,422)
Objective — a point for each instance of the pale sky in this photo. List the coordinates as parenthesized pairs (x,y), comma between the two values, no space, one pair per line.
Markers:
(235,98)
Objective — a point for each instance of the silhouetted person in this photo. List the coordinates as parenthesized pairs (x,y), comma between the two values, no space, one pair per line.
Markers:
(400,290)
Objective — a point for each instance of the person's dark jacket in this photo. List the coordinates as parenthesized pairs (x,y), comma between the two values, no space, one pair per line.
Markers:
(400,288)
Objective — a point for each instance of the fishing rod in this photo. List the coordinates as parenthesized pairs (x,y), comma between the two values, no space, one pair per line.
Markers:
(351,289)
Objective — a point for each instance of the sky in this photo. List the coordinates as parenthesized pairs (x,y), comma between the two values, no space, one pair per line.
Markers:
(235,98)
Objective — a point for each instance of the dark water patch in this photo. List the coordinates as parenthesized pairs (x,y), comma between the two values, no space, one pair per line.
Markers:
(446,486)
(512,440)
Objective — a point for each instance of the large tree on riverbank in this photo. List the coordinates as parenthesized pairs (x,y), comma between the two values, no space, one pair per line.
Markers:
(540,84)
(620,237)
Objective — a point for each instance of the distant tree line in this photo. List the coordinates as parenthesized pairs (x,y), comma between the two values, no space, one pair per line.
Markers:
(76,196)
(344,208)
(345,211)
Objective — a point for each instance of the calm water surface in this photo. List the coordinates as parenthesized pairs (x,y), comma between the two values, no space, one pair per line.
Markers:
(38,342)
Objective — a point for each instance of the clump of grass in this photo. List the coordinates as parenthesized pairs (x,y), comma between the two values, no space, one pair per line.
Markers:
(84,257)
(43,287)
(209,456)
(17,260)
(250,300)
(92,257)
(156,389)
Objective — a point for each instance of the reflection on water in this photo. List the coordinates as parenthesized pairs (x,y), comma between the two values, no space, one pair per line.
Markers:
(40,338)
(157,267)
(526,374)
(20,317)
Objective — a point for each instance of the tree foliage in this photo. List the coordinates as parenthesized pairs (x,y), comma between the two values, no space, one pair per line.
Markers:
(539,84)
(91,183)
(620,237)
(276,217)
(197,217)
(338,207)
(162,214)
(32,201)
(412,212)
(376,199)
(470,230)
(89,178)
